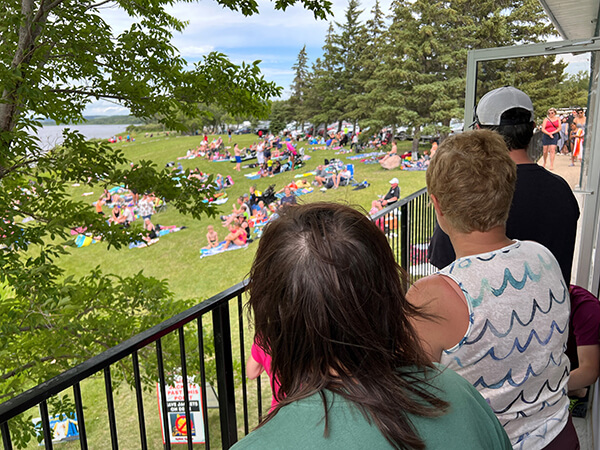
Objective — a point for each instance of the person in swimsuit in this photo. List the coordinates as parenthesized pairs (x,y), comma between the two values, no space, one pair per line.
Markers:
(212,237)
(579,121)
(116,216)
(576,135)
(99,205)
(238,157)
(152,234)
(236,235)
(551,130)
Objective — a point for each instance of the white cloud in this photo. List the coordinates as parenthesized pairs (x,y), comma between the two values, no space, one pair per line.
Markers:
(576,62)
(105,108)
(274,37)
(194,51)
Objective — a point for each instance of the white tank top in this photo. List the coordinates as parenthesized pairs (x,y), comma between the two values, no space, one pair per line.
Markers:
(514,349)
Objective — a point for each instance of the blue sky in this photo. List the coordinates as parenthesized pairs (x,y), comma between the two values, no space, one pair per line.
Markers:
(274,37)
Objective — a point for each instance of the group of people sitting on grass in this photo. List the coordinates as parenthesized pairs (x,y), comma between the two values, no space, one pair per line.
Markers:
(472,357)
(333,174)
(251,210)
(408,160)
(219,181)
(126,206)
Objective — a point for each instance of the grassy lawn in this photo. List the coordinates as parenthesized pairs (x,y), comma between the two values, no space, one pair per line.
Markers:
(176,258)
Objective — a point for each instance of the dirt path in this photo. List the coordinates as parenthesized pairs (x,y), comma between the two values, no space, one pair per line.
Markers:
(561,167)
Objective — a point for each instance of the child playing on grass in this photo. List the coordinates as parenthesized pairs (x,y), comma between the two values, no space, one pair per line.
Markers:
(212,237)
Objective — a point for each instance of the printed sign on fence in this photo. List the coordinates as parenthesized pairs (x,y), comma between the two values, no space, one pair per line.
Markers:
(178,423)
(63,428)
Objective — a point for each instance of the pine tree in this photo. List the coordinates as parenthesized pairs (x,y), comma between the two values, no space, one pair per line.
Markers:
(372,41)
(299,88)
(424,66)
(322,100)
(351,44)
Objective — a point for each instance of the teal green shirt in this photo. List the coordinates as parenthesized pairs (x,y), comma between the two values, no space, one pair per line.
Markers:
(469,423)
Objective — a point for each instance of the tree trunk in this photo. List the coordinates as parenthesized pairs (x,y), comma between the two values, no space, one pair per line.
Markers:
(416,139)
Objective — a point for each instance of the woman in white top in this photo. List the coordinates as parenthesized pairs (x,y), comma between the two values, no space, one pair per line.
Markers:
(498,314)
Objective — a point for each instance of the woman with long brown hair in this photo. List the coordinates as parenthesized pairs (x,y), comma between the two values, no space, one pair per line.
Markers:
(328,303)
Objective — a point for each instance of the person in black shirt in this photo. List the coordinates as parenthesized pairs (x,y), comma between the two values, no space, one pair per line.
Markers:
(543,202)
(289,198)
(391,197)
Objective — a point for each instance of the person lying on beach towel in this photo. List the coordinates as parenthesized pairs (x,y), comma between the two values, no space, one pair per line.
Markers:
(160,230)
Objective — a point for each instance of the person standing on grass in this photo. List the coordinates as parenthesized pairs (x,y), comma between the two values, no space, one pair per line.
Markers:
(238,157)
(146,206)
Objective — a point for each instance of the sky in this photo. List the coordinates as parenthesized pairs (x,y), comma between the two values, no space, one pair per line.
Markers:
(273,37)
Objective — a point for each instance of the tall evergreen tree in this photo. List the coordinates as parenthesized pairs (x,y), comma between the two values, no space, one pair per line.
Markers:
(299,88)
(425,58)
(322,100)
(351,43)
(372,41)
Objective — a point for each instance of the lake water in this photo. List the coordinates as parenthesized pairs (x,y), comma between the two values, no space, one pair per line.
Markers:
(51,135)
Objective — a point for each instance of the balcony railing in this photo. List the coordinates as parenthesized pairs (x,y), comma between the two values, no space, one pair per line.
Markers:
(408,224)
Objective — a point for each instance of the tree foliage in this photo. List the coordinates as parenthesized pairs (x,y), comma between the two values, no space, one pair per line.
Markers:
(410,70)
(299,87)
(58,56)
(574,91)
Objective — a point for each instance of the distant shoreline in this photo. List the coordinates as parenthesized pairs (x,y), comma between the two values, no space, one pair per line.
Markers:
(101,120)
(50,136)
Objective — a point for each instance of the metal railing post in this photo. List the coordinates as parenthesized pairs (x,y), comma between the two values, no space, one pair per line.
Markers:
(404,238)
(224,360)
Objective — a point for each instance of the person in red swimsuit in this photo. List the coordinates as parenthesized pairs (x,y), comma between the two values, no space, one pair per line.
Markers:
(551,130)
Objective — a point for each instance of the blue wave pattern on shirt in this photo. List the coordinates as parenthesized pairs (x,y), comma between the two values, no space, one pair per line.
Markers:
(535,398)
(513,352)
(540,433)
(488,326)
(508,378)
(528,274)
(521,348)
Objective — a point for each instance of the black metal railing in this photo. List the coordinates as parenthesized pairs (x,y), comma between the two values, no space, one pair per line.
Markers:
(224,359)
(408,224)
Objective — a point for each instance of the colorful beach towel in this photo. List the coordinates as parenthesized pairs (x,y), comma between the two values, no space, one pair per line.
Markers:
(254,222)
(83,241)
(307,174)
(252,176)
(297,192)
(365,155)
(220,249)
(216,201)
(163,231)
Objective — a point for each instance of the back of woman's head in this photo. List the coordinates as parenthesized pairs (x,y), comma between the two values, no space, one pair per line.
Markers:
(329,306)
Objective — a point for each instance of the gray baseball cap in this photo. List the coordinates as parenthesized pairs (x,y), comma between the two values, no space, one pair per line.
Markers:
(493,104)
